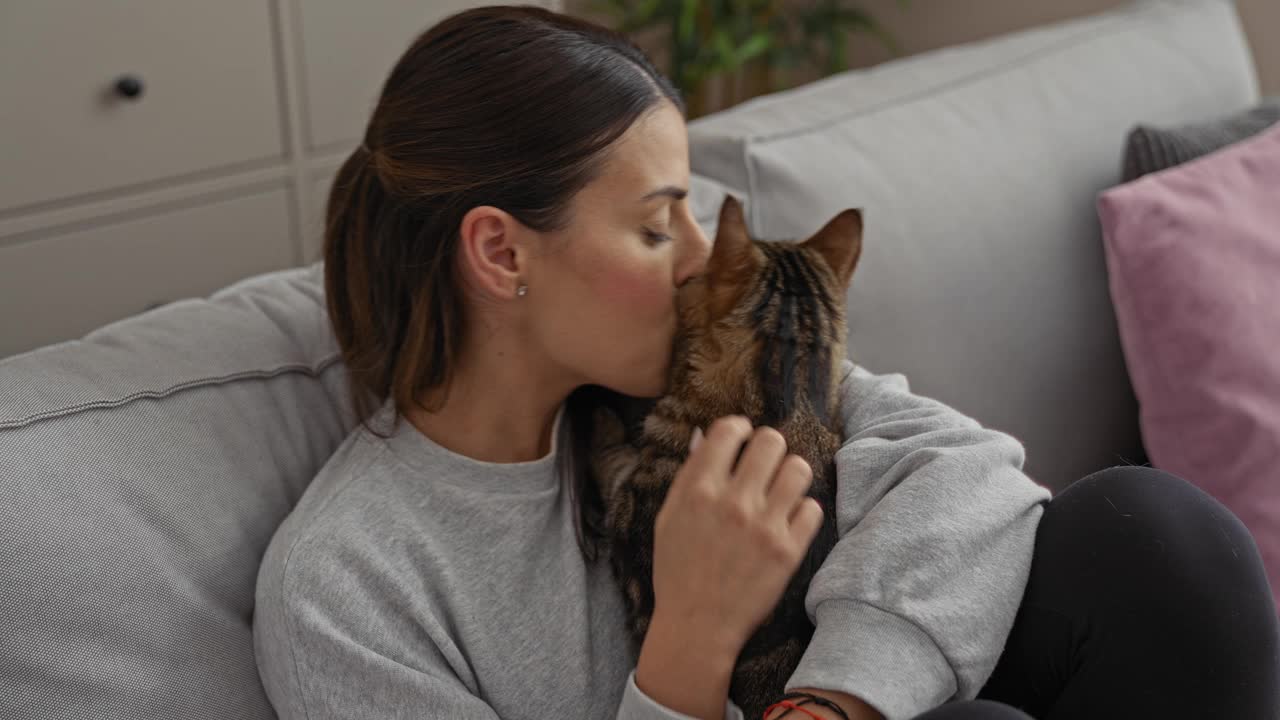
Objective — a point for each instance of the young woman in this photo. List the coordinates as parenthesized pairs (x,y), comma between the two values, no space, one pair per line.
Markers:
(510,234)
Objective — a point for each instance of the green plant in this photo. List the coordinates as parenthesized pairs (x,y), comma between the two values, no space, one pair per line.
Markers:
(769,40)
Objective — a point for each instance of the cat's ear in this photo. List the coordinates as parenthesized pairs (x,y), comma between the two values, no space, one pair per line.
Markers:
(733,257)
(732,250)
(839,242)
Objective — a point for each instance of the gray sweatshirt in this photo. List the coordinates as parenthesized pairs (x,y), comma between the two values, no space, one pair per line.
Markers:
(413,582)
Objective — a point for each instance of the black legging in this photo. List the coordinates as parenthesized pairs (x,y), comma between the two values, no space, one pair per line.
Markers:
(1147,599)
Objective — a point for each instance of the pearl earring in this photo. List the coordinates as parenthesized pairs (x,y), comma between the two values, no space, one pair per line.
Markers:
(522,290)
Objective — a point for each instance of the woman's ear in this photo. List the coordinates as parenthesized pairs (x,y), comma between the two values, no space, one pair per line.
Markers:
(489,251)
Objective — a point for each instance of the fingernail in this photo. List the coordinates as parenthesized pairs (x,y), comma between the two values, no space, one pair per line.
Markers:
(697,438)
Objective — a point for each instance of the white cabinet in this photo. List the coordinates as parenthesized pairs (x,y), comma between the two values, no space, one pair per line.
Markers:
(197,92)
(152,150)
(64,286)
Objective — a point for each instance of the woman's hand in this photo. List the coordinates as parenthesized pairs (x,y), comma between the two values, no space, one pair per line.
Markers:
(728,539)
(726,542)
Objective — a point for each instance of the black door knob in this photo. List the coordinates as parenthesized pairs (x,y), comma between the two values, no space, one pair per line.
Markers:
(129,86)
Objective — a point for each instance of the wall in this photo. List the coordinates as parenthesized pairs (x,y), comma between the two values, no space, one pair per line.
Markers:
(928,24)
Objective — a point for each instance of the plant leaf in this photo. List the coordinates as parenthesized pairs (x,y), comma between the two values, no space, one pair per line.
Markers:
(722,45)
(756,45)
(686,22)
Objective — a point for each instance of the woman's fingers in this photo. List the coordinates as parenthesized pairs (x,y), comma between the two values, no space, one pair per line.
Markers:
(789,486)
(765,476)
(805,522)
(760,462)
(696,439)
(713,459)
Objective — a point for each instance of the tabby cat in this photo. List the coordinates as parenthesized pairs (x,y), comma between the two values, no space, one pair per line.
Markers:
(761,334)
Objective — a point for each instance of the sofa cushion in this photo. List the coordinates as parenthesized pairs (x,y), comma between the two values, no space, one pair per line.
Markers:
(1194,259)
(1151,148)
(145,467)
(982,276)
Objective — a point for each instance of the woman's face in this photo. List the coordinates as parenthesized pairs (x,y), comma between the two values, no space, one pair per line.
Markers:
(602,292)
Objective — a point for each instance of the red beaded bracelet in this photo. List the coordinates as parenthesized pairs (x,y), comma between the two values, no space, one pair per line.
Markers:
(790,706)
(807,698)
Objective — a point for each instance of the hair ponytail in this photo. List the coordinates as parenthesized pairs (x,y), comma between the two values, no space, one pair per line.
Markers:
(354,268)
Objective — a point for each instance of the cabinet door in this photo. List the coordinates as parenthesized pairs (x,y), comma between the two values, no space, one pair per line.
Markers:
(62,287)
(202,76)
(348,51)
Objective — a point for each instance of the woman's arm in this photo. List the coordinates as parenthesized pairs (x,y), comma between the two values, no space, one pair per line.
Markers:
(335,640)
(685,673)
(937,525)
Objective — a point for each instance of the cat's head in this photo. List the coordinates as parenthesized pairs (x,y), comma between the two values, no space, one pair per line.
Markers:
(762,330)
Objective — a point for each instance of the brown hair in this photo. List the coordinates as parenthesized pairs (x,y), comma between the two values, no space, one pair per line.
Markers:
(505,106)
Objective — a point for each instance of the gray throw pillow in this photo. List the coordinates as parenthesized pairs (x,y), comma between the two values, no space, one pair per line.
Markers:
(1151,149)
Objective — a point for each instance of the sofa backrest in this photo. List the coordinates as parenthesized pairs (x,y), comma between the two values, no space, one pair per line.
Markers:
(982,277)
(144,468)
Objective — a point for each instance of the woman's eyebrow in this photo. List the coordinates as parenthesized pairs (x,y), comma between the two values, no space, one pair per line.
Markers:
(668,190)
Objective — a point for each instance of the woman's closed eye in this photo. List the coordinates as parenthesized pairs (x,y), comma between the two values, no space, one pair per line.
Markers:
(655,237)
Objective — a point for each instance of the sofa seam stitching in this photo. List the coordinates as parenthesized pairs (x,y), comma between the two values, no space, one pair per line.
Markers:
(313,371)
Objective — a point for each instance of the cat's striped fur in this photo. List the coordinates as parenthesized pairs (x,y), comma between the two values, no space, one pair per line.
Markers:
(762,334)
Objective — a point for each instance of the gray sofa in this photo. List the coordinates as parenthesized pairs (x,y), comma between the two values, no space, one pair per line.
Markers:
(146,465)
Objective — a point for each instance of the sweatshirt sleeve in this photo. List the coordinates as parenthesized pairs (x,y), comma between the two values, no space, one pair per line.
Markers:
(329,645)
(937,525)
(332,642)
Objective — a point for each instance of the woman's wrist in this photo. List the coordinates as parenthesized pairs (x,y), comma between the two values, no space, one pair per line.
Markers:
(854,707)
(684,671)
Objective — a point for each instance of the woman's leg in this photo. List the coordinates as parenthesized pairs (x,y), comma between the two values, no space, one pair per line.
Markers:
(1147,598)
(974,710)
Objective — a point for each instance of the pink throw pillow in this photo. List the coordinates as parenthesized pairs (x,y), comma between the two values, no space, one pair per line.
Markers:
(1193,256)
